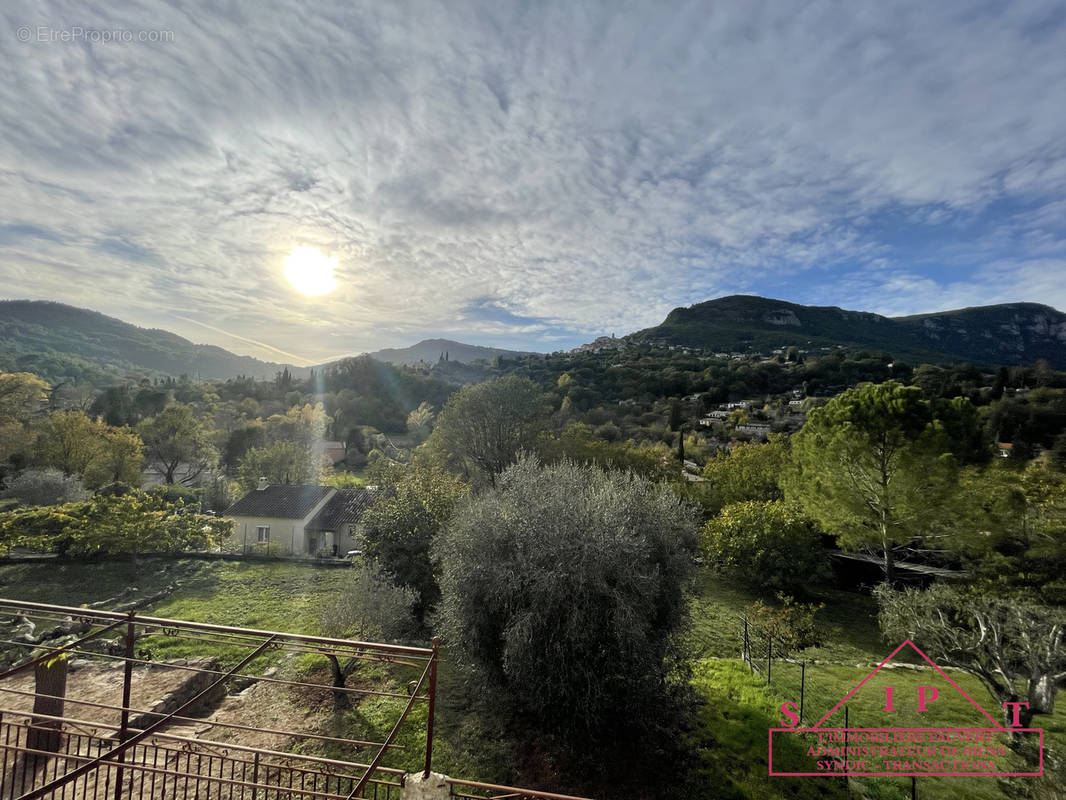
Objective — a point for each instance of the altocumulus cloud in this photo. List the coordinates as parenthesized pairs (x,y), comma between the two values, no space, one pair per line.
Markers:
(528,174)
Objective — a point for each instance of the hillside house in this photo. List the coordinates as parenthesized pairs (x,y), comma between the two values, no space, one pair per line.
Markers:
(759,429)
(713,417)
(299,520)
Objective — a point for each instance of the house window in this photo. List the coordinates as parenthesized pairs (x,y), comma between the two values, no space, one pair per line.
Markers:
(262,533)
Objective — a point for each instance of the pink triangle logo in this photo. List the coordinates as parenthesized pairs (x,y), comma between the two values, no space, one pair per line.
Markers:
(929,661)
(823,750)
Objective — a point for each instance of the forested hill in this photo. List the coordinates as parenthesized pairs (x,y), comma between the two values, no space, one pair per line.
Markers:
(432,350)
(1010,333)
(58,341)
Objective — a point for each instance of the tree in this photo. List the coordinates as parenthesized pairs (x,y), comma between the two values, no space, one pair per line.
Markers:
(304,425)
(676,419)
(370,608)
(68,441)
(576,443)
(873,469)
(131,522)
(485,426)
(1011,528)
(562,587)
(1005,642)
(749,472)
(175,438)
(45,487)
(21,394)
(240,441)
(400,528)
(766,544)
(119,456)
(280,462)
(420,420)
(964,430)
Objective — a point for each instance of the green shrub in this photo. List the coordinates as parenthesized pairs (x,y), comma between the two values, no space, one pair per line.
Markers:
(764,544)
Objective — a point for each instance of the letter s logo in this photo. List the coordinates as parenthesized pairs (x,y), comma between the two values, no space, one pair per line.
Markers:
(789,710)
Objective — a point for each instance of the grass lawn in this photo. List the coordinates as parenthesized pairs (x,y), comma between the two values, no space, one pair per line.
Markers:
(848,623)
(850,647)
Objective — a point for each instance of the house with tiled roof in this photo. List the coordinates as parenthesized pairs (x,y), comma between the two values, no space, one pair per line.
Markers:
(298,520)
(337,525)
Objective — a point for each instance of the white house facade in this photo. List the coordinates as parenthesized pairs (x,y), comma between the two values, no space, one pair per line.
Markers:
(298,520)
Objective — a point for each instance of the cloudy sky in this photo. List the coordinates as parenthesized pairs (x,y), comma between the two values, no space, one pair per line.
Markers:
(525,174)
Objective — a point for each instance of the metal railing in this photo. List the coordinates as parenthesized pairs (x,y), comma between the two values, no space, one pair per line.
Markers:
(173,767)
(50,756)
(67,755)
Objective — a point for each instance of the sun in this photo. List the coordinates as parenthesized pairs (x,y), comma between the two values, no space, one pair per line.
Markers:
(309,271)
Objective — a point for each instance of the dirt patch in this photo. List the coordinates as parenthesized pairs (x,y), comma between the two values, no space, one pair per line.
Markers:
(101,685)
(298,710)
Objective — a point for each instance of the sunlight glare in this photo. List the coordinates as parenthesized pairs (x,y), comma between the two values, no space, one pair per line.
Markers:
(309,271)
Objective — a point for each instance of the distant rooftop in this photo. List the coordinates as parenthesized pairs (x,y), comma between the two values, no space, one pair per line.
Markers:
(279,501)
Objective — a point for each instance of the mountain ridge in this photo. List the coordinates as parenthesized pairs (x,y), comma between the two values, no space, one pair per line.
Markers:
(1005,333)
(55,339)
(430,350)
(62,342)
(59,341)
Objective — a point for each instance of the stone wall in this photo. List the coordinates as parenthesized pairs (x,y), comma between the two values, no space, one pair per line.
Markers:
(191,685)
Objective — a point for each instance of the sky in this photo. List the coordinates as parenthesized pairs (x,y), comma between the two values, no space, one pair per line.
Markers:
(525,174)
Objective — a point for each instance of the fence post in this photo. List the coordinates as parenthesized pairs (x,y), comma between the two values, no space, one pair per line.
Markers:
(769,657)
(803,686)
(747,646)
(432,708)
(847,725)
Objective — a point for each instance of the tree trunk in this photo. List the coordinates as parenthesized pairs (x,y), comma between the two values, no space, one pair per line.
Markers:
(889,565)
(340,699)
(51,687)
(1042,691)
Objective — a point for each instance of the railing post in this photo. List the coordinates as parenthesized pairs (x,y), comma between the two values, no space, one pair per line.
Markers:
(432,707)
(127,691)
(127,678)
(3,760)
(255,775)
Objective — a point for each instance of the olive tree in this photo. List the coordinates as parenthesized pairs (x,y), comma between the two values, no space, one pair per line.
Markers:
(1015,647)
(368,608)
(563,588)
